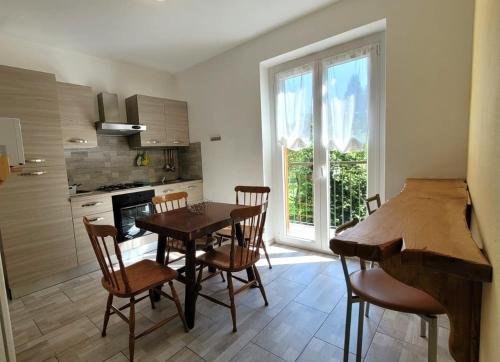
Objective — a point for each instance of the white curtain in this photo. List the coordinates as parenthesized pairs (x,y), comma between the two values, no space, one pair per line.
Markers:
(346,98)
(294,108)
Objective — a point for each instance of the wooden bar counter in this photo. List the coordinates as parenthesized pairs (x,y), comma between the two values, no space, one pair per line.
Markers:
(422,238)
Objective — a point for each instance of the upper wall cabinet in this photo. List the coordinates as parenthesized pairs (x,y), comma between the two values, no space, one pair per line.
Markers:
(166,121)
(77,111)
(176,115)
(32,97)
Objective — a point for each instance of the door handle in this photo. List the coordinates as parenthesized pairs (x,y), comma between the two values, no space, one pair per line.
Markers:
(92,204)
(95,219)
(35,160)
(34,173)
(78,140)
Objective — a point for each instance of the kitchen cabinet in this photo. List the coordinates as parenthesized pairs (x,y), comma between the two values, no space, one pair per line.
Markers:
(35,215)
(166,121)
(99,210)
(194,190)
(177,125)
(32,97)
(36,225)
(77,113)
(84,206)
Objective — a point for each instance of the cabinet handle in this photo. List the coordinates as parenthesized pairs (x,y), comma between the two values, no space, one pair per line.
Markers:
(34,173)
(167,191)
(36,160)
(78,140)
(176,142)
(154,142)
(95,219)
(96,203)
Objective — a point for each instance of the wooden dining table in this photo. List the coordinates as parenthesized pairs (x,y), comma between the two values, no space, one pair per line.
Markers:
(188,224)
(421,237)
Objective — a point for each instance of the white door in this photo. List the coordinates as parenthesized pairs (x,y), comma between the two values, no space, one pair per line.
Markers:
(327,149)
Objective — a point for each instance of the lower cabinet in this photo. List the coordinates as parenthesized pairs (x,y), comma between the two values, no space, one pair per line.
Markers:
(36,225)
(194,190)
(84,251)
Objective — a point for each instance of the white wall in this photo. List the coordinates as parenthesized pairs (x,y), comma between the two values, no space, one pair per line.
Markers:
(483,171)
(78,68)
(428,58)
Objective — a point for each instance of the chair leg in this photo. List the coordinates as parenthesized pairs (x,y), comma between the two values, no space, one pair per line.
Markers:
(423,328)
(178,305)
(433,335)
(231,297)
(106,314)
(263,245)
(261,287)
(347,328)
(131,326)
(359,344)
(168,256)
(367,308)
(152,298)
(222,276)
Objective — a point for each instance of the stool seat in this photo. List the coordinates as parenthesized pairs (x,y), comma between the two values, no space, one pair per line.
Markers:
(377,287)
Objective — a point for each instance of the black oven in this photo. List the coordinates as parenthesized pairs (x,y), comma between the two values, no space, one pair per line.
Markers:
(128,207)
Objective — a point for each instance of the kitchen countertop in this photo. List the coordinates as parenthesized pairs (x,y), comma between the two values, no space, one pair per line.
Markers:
(134,189)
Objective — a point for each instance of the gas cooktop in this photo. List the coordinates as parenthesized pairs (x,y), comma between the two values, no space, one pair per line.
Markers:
(116,187)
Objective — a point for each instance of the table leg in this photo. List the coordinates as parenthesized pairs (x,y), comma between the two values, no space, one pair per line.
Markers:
(191,293)
(241,242)
(160,259)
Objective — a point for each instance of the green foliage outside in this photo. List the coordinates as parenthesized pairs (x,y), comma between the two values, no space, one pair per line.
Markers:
(348,178)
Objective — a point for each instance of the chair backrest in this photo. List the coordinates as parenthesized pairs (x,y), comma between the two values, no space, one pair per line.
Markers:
(252,195)
(98,235)
(251,221)
(170,202)
(369,202)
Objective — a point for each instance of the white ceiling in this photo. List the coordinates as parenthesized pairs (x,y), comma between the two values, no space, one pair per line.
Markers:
(170,35)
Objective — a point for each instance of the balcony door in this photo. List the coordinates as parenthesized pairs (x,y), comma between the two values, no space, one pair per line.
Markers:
(327,159)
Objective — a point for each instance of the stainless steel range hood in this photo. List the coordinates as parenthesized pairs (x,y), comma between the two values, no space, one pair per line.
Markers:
(109,123)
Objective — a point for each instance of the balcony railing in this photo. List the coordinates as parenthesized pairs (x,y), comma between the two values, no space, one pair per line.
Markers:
(348,184)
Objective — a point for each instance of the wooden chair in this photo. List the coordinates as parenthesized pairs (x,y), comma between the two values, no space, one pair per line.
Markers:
(369,201)
(130,281)
(251,196)
(170,202)
(377,287)
(233,258)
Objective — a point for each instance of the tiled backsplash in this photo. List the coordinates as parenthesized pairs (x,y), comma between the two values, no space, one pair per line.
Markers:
(114,162)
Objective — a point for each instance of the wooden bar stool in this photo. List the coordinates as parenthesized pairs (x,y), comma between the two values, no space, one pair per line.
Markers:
(377,287)
(129,282)
(233,257)
(251,196)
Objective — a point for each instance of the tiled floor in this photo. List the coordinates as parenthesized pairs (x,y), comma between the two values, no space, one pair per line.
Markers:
(304,321)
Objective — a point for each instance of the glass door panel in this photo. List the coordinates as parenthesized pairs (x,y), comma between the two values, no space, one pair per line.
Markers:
(345,107)
(294,111)
(299,186)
